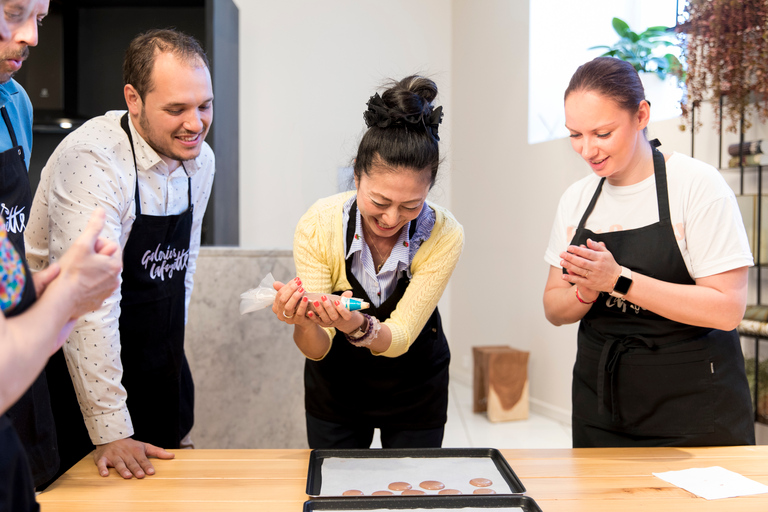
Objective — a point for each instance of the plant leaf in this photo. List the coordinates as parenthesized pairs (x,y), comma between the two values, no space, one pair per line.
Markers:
(620,26)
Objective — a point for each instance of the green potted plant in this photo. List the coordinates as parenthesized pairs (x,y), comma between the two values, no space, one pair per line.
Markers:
(725,47)
(641,50)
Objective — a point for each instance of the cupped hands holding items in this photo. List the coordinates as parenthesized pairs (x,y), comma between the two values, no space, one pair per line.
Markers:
(384,243)
(650,255)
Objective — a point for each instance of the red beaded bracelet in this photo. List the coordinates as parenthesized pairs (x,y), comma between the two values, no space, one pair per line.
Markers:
(582,300)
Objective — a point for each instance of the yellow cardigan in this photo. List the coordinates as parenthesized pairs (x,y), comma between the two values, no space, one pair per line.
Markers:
(318,252)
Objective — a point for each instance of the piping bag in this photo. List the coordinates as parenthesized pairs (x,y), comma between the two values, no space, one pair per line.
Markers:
(264,295)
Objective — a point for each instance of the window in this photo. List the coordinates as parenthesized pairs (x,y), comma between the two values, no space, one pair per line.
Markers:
(560,33)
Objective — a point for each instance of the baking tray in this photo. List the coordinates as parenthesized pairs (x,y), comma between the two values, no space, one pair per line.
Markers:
(317,457)
(490,502)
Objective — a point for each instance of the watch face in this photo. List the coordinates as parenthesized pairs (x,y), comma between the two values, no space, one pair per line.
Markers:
(622,285)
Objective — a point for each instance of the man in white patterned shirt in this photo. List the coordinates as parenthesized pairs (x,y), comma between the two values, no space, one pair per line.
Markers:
(152,171)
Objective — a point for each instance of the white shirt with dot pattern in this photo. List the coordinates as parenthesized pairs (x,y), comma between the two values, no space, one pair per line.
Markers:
(93,166)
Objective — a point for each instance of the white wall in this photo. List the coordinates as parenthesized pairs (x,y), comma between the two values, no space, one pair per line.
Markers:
(306,71)
(505,192)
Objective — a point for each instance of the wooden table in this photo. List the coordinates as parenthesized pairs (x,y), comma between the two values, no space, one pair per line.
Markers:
(594,480)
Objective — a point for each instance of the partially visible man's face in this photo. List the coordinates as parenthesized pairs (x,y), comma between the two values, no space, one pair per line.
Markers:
(22,18)
(177,112)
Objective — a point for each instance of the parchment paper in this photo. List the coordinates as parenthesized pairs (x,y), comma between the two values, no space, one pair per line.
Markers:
(375,474)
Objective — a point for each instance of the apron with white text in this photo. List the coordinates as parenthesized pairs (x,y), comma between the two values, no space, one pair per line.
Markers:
(156,375)
(155,371)
(641,379)
(31,415)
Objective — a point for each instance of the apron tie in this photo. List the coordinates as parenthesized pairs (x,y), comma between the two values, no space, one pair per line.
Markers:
(609,360)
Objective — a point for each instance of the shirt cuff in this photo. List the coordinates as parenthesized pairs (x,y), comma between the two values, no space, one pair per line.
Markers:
(113,426)
(399,344)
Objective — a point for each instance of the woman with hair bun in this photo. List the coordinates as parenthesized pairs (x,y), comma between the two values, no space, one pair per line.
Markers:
(649,254)
(385,367)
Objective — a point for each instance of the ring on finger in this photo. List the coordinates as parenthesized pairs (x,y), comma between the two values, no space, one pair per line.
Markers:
(287,316)
(586,276)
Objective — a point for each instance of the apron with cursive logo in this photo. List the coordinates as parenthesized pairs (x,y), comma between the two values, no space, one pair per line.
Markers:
(641,379)
(31,414)
(156,375)
(155,371)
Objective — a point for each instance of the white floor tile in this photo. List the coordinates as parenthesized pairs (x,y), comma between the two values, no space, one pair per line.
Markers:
(466,429)
(536,432)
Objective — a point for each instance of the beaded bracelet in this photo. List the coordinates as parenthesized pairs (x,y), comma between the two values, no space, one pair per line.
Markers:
(582,300)
(371,332)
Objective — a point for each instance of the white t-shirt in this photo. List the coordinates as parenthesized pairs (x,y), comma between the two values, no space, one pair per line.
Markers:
(703,210)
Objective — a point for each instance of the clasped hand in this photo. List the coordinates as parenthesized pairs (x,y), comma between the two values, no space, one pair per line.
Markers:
(591,267)
(291,305)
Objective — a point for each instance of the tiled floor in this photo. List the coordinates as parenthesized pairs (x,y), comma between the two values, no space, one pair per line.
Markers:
(466,429)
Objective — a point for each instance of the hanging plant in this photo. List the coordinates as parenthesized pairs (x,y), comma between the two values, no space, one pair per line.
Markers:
(725,47)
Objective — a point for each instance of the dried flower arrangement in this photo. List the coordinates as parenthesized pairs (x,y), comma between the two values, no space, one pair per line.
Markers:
(725,45)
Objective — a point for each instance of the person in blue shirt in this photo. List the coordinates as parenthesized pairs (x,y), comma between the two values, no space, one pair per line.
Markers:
(37,311)
(31,415)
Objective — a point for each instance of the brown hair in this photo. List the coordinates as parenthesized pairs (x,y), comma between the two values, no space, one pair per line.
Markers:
(611,77)
(140,55)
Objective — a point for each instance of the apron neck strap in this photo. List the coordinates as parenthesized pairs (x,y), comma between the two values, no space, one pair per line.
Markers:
(126,128)
(662,193)
(353,219)
(8,124)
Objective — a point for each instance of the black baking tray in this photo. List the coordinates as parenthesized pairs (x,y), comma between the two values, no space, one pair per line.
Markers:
(489,501)
(316,458)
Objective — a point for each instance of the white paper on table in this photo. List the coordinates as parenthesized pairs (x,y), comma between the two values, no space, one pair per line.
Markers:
(371,474)
(713,483)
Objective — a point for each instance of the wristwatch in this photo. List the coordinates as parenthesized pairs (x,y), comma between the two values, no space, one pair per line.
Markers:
(360,331)
(621,288)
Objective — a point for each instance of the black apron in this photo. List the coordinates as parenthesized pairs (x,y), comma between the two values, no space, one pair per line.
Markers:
(15,191)
(351,386)
(643,380)
(31,415)
(16,487)
(156,375)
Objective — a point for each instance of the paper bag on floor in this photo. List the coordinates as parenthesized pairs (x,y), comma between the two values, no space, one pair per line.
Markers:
(501,382)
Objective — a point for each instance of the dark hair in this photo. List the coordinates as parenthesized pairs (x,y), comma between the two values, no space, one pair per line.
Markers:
(611,77)
(140,55)
(402,128)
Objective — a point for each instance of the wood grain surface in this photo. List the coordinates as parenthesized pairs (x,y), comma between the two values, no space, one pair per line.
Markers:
(594,480)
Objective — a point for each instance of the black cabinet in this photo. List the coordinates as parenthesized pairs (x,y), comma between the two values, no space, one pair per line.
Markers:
(75,73)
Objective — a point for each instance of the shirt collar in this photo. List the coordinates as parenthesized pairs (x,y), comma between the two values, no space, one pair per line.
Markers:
(7,90)
(399,258)
(147,158)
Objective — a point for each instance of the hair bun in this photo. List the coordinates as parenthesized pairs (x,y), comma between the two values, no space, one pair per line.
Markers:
(406,103)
